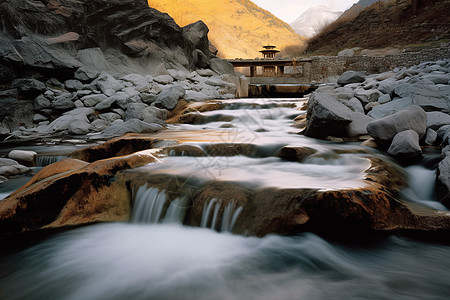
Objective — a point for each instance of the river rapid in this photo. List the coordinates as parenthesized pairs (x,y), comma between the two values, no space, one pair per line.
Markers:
(155,256)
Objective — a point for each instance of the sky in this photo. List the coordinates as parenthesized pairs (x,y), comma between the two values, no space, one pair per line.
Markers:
(289,10)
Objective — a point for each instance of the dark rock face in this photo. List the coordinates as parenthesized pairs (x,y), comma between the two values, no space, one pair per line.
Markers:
(51,35)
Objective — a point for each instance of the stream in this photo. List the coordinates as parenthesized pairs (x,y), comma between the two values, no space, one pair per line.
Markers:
(155,256)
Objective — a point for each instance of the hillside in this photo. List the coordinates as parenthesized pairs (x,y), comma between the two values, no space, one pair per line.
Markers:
(391,24)
(313,20)
(238,28)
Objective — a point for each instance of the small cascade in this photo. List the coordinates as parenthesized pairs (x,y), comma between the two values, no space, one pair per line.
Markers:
(150,207)
(229,215)
(45,160)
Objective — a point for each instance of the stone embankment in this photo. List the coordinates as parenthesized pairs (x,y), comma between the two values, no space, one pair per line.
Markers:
(401,111)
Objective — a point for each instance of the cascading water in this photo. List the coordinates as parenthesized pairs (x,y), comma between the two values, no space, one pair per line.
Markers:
(45,160)
(229,215)
(150,207)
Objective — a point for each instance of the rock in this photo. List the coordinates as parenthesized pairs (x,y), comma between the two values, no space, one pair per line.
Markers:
(196,96)
(60,124)
(93,100)
(28,88)
(326,116)
(73,85)
(436,119)
(119,128)
(298,154)
(163,79)
(430,137)
(221,66)
(358,126)
(346,52)
(136,79)
(405,145)
(371,105)
(442,132)
(84,111)
(367,96)
(40,102)
(106,82)
(106,104)
(205,72)
(79,125)
(177,74)
(9,171)
(389,108)
(412,118)
(99,125)
(63,102)
(384,99)
(387,86)
(426,96)
(110,117)
(354,104)
(3,180)
(22,156)
(37,118)
(7,162)
(351,77)
(86,74)
(70,193)
(437,78)
(169,97)
(442,189)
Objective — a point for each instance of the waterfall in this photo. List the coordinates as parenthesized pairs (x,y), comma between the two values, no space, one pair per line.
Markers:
(229,215)
(45,160)
(149,205)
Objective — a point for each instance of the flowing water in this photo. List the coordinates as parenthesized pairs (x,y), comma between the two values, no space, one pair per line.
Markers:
(155,256)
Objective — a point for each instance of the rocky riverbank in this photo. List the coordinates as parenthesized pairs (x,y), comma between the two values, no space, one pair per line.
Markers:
(401,112)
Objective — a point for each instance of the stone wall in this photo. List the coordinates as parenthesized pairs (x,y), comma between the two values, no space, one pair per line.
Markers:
(326,66)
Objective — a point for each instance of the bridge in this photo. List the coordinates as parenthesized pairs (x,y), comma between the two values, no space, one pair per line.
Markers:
(271,67)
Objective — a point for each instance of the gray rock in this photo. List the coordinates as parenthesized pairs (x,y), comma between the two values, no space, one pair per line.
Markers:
(327,116)
(60,124)
(221,66)
(169,97)
(367,96)
(110,117)
(389,108)
(84,111)
(405,144)
(3,180)
(436,119)
(163,79)
(147,98)
(40,102)
(135,79)
(351,77)
(99,125)
(119,128)
(135,111)
(384,99)
(411,118)
(346,52)
(358,126)
(7,162)
(93,100)
(78,104)
(79,125)
(442,132)
(426,96)
(86,74)
(107,82)
(177,74)
(73,85)
(106,104)
(216,82)
(37,118)
(430,137)
(196,96)
(63,102)
(354,104)
(28,88)
(387,86)
(437,78)
(9,171)
(442,189)
(371,105)
(22,155)
(205,72)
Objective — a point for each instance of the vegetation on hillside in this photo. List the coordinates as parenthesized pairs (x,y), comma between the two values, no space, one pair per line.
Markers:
(392,23)
(238,28)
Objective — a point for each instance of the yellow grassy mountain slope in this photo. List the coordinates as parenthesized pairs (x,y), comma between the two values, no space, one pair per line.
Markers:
(237,28)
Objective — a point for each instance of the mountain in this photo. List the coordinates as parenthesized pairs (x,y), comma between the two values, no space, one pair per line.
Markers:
(356,8)
(313,20)
(387,24)
(237,28)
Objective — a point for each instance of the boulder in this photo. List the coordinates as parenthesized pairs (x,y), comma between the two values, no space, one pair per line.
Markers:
(119,128)
(86,74)
(28,88)
(346,52)
(205,72)
(436,119)
(106,82)
(351,77)
(169,97)
(79,125)
(405,145)
(389,108)
(73,85)
(22,156)
(430,137)
(106,104)
(437,78)
(63,102)
(354,104)
(326,116)
(387,86)
(110,117)
(412,118)
(367,96)
(163,79)
(358,126)
(384,99)
(442,188)
(93,100)
(426,96)
(41,102)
